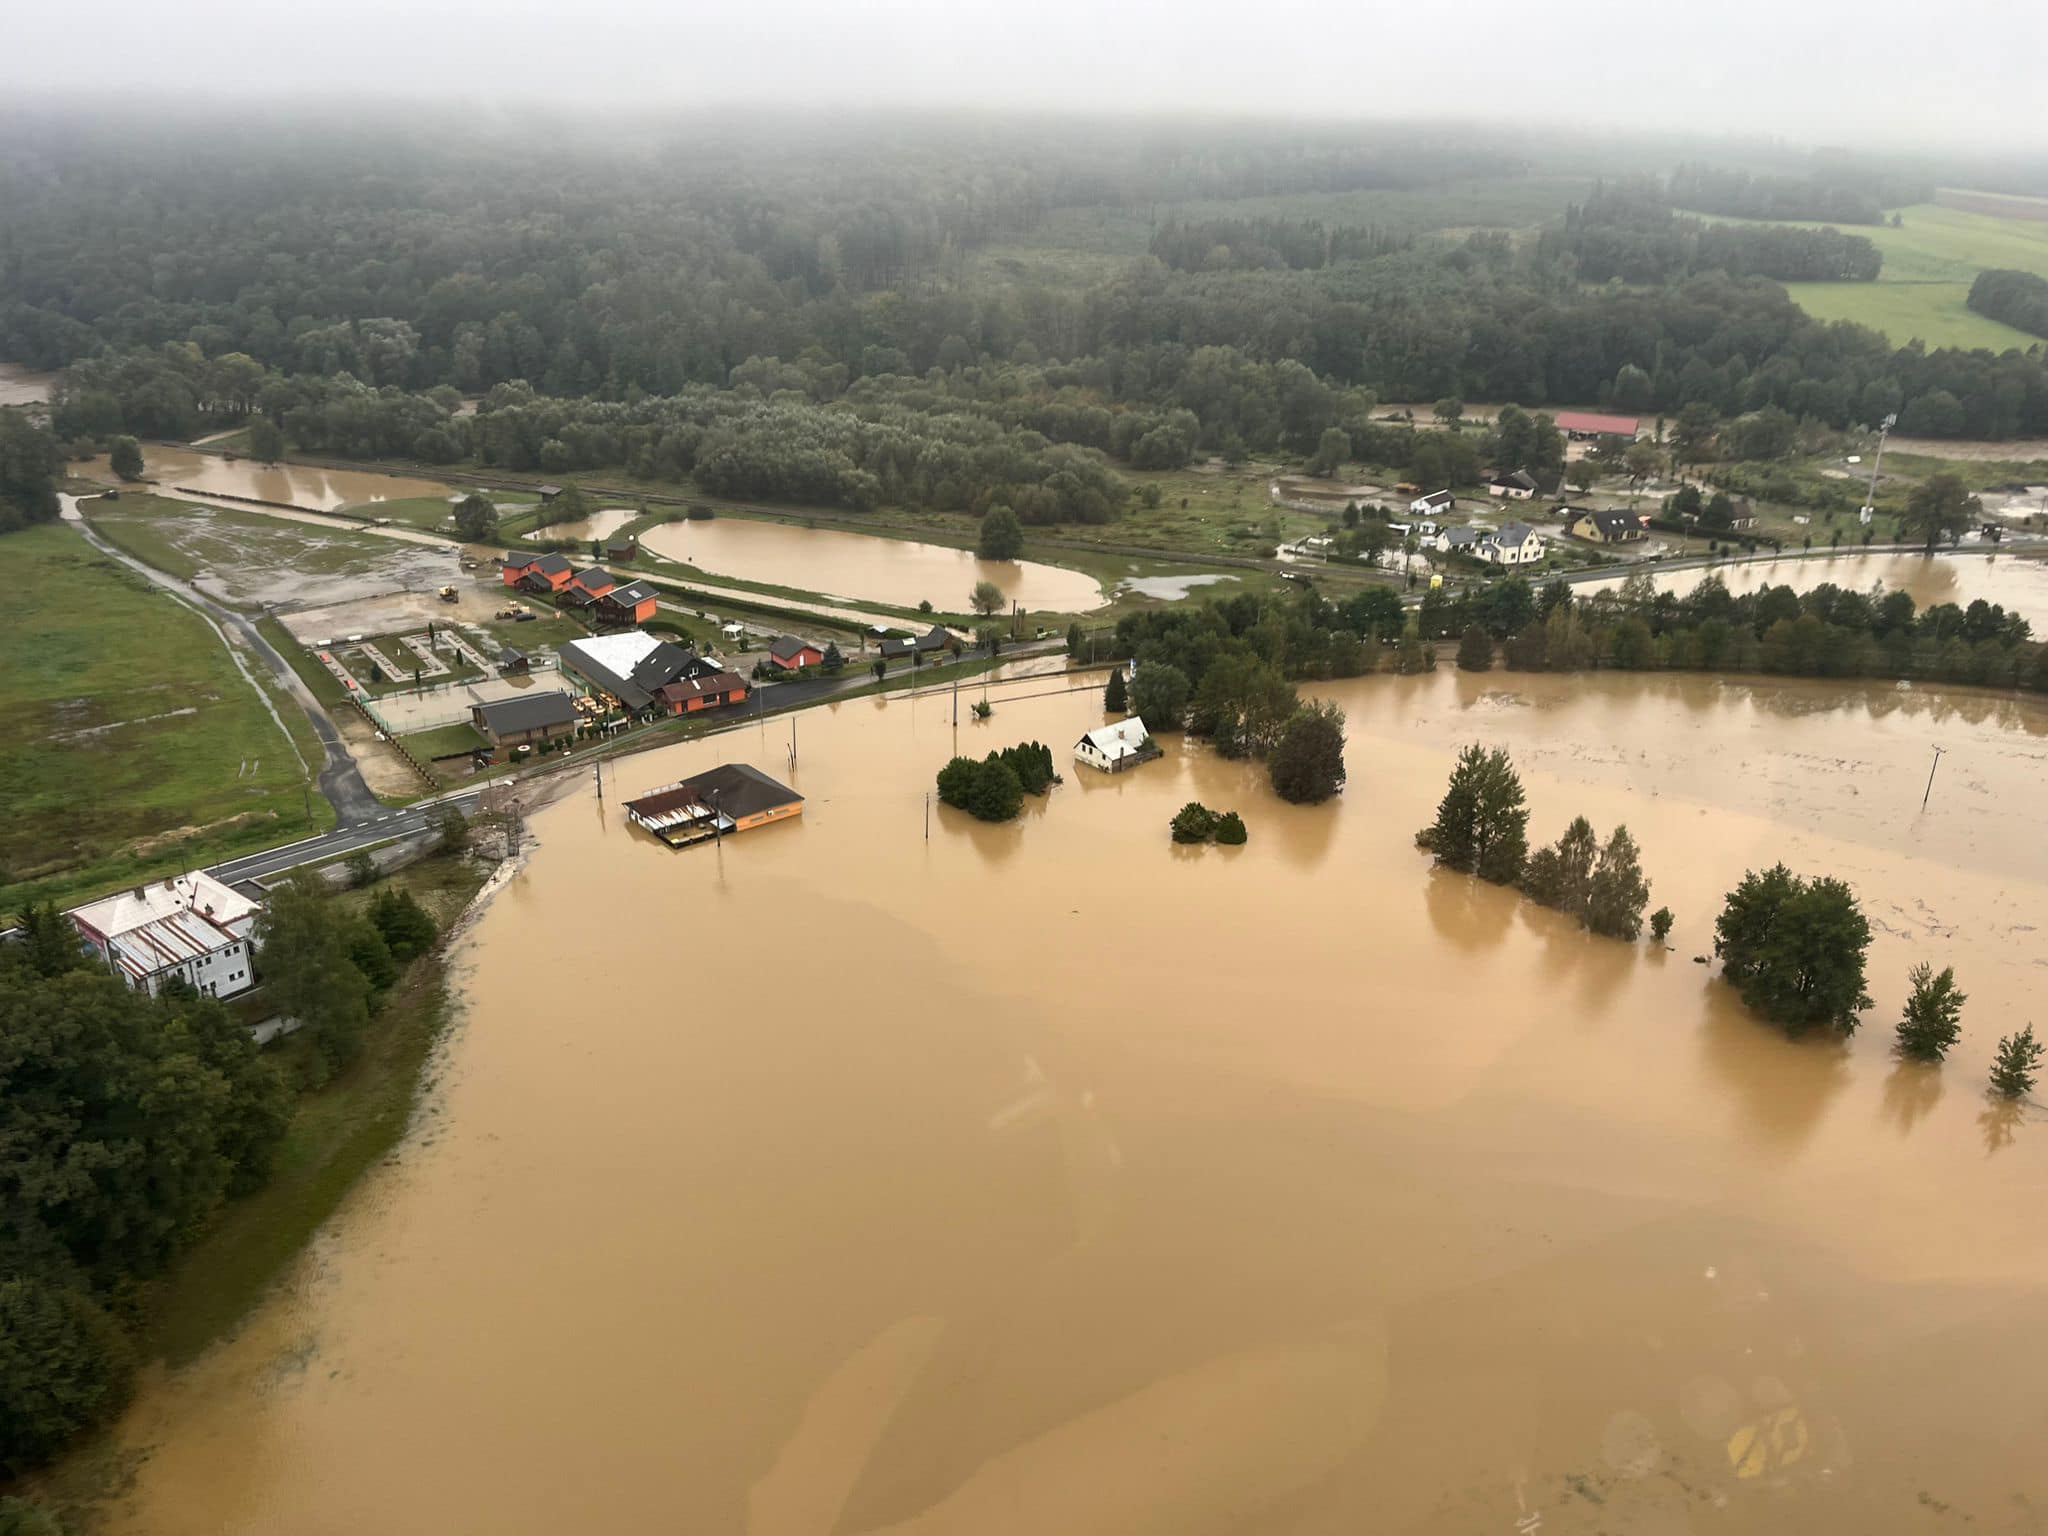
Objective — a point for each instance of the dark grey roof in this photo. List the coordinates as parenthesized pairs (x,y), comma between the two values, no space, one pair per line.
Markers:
(1437,499)
(786,646)
(1518,478)
(1613,522)
(597,575)
(632,592)
(526,712)
(548,490)
(1458,536)
(550,565)
(734,790)
(1514,533)
(511,656)
(664,664)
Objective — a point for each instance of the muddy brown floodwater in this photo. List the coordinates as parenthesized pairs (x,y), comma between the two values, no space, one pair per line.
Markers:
(861,565)
(301,485)
(2017,582)
(1049,1178)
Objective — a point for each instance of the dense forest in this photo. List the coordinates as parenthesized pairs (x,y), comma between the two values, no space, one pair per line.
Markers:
(1628,233)
(2020,299)
(1842,197)
(856,319)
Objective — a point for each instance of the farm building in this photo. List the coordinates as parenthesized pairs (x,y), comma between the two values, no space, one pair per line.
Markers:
(538,573)
(710,690)
(634,603)
(1515,485)
(191,928)
(729,798)
(1605,527)
(525,718)
(1434,504)
(512,659)
(622,550)
(793,655)
(1113,748)
(547,493)
(1584,424)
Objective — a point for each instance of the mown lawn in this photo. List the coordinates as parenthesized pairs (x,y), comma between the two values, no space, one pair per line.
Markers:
(133,745)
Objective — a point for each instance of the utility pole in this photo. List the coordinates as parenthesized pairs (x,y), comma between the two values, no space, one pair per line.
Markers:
(927,815)
(1870,497)
(1930,778)
(598,768)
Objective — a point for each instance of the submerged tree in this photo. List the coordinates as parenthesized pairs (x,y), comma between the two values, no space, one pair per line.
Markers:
(124,458)
(1475,650)
(1001,536)
(1114,698)
(986,599)
(1307,765)
(1561,876)
(1482,824)
(1618,892)
(476,518)
(1794,949)
(1158,696)
(2013,1072)
(1932,1021)
(1660,924)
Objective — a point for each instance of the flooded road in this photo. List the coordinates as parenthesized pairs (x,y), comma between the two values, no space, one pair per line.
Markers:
(1050,1178)
(860,565)
(302,485)
(2017,582)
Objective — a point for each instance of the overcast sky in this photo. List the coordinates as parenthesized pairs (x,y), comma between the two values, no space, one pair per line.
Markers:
(1826,71)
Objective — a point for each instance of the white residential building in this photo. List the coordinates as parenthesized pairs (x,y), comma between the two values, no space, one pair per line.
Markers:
(1113,748)
(191,927)
(1435,504)
(1514,544)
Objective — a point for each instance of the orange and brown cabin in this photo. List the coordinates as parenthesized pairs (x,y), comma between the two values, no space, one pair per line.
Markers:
(634,603)
(711,690)
(731,798)
(538,573)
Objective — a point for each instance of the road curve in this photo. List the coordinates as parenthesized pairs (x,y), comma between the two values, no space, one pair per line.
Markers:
(341,782)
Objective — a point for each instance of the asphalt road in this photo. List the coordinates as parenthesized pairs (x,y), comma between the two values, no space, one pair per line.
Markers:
(383,828)
(341,782)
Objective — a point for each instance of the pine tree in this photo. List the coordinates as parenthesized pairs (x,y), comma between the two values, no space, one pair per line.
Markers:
(2012,1074)
(1475,650)
(1933,1017)
(1482,824)
(1115,699)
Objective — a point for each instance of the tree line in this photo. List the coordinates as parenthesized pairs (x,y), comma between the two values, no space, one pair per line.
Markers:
(1842,198)
(1638,239)
(587,278)
(2019,299)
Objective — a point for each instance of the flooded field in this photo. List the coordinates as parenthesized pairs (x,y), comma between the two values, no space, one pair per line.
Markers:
(301,485)
(599,525)
(1049,1178)
(2018,582)
(859,565)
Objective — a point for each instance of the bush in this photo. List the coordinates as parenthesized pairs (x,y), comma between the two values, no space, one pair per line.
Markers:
(405,925)
(2012,1073)
(1031,761)
(1230,829)
(1194,823)
(1660,924)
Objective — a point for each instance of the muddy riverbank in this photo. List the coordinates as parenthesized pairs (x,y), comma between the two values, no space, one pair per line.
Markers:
(1048,1177)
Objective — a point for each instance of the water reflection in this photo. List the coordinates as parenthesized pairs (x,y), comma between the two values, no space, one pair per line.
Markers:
(1469,912)
(1911,1090)
(1781,1088)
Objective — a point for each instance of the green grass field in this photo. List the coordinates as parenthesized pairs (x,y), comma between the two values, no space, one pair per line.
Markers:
(1929,263)
(134,746)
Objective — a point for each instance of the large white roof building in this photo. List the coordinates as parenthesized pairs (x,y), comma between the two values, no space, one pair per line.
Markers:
(189,926)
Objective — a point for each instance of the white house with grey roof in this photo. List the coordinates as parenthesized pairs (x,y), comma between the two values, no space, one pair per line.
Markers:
(191,927)
(1514,544)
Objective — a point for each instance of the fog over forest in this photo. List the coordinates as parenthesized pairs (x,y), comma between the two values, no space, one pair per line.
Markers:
(1825,71)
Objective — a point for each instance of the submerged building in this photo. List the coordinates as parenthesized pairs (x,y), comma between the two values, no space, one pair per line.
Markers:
(730,798)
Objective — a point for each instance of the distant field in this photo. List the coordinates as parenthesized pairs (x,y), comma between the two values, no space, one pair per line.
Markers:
(1929,264)
(127,721)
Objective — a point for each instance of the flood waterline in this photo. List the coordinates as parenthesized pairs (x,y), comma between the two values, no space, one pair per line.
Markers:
(1049,1177)
(2016,581)
(298,485)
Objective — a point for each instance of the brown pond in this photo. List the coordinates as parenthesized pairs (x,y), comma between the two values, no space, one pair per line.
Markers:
(301,485)
(864,566)
(24,386)
(2018,582)
(1048,1178)
(599,525)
